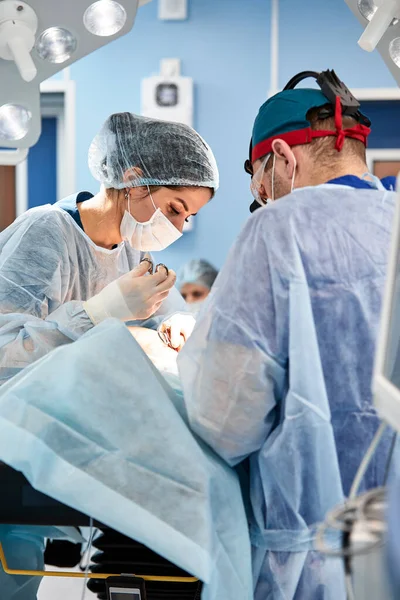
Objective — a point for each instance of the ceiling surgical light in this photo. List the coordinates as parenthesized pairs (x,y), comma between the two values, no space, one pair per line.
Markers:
(104,18)
(381,14)
(56,45)
(394,51)
(39,38)
(14,122)
(18,24)
(381,22)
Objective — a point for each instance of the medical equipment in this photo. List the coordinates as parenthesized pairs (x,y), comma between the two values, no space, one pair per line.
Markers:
(125,588)
(38,39)
(356,533)
(289,126)
(22,504)
(381,19)
(176,330)
(168,96)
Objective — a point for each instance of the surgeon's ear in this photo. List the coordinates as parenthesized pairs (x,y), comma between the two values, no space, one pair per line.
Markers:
(283,151)
(132,175)
(263,192)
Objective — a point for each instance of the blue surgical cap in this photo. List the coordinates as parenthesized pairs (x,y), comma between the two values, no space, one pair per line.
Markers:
(197,271)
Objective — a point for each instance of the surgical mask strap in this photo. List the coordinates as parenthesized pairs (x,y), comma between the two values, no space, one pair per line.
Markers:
(151,197)
(128,198)
(294,172)
(273,178)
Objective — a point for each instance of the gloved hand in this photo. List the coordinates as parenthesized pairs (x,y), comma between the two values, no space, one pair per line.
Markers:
(178,328)
(133,296)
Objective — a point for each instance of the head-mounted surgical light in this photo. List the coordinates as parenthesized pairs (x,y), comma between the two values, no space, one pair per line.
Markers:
(38,39)
(335,101)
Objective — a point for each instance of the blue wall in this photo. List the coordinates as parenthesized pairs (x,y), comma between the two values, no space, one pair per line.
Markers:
(224,46)
(42,166)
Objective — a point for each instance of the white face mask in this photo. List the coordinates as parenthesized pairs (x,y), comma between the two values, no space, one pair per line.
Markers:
(155,234)
(194,307)
(258,176)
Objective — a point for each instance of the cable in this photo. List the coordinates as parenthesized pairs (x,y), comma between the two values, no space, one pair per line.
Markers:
(349,588)
(366,460)
(88,549)
(390,456)
(299,77)
(367,509)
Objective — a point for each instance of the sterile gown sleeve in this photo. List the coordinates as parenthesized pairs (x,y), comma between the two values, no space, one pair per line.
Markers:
(233,368)
(36,276)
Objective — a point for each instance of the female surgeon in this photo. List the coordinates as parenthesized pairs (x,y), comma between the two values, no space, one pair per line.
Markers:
(66,267)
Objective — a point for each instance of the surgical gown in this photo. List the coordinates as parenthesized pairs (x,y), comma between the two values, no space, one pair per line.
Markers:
(48,268)
(96,426)
(279,367)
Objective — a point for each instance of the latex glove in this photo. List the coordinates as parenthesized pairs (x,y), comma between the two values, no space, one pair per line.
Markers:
(179,328)
(135,295)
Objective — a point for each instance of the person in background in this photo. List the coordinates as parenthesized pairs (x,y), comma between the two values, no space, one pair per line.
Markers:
(277,373)
(195,280)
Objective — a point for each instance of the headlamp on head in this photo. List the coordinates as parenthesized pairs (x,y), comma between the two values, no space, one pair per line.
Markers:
(284,116)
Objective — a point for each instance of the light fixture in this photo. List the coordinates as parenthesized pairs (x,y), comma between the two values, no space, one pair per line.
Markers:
(58,34)
(14,122)
(380,14)
(104,18)
(369,7)
(56,45)
(388,41)
(18,24)
(394,51)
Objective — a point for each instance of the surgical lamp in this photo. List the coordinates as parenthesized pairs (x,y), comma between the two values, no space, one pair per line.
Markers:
(38,39)
(381,19)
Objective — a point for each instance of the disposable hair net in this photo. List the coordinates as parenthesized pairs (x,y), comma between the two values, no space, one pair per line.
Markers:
(133,151)
(197,271)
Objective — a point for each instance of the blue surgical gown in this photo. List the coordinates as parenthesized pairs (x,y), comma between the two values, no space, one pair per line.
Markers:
(279,367)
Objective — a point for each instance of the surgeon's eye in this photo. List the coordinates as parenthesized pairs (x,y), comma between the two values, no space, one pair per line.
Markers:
(174,211)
